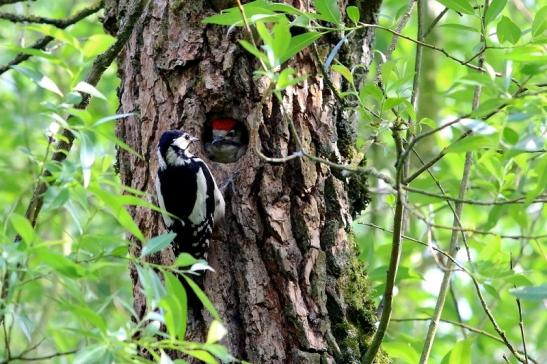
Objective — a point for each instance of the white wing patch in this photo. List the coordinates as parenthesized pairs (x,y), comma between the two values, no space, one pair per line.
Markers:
(161,161)
(219,204)
(166,219)
(219,200)
(198,212)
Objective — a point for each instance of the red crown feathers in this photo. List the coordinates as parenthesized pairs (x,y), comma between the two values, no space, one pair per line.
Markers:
(224,124)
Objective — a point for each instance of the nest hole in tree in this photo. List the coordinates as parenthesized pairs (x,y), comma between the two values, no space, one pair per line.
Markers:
(224,138)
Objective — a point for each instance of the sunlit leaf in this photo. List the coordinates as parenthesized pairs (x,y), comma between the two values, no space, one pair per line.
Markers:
(353,13)
(85,87)
(23,227)
(494,9)
(328,10)
(203,298)
(216,332)
(298,43)
(507,31)
(460,6)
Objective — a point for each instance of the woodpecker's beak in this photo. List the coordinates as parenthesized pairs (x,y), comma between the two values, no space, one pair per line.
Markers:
(193,139)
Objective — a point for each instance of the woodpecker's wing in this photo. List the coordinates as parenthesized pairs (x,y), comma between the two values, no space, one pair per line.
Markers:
(166,218)
(219,200)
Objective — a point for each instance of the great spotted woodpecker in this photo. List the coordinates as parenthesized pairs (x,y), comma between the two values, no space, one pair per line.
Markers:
(227,142)
(187,190)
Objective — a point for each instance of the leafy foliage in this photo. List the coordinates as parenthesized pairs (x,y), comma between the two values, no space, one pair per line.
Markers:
(67,274)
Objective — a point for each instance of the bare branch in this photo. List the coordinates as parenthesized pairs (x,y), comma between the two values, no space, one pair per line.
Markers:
(42,43)
(39,358)
(434,22)
(64,145)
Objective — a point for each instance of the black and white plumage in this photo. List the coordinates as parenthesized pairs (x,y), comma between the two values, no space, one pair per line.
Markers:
(187,190)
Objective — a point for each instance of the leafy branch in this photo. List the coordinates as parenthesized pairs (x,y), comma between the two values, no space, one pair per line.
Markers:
(42,43)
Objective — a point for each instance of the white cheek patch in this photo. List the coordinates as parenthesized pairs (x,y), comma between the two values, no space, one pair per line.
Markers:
(198,212)
(182,143)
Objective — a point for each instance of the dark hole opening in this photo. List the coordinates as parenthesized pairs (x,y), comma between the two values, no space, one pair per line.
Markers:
(225,139)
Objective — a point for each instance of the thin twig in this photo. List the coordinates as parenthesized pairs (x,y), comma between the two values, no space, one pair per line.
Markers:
(476,231)
(521,321)
(41,43)
(39,358)
(452,250)
(399,219)
(59,23)
(434,22)
(435,48)
(476,285)
(434,160)
(64,145)
(514,201)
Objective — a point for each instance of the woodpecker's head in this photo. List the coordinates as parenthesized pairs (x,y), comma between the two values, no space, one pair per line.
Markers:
(227,143)
(173,147)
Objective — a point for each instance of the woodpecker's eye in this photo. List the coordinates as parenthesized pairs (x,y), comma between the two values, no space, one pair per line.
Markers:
(187,137)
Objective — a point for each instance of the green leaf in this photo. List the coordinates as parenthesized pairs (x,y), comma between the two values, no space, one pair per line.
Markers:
(282,39)
(510,136)
(111,118)
(97,44)
(185,260)
(90,354)
(89,89)
(403,351)
(494,9)
(460,27)
(460,353)
(39,79)
(175,306)
(203,298)
(253,10)
(216,332)
(533,293)
(344,71)
(539,25)
(472,143)
(254,51)
(59,34)
(507,31)
(328,10)
(23,228)
(392,102)
(87,156)
(203,356)
(460,6)
(87,314)
(157,243)
(151,283)
(298,43)
(353,13)
(60,263)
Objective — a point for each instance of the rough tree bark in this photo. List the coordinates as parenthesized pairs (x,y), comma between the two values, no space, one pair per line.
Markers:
(287,283)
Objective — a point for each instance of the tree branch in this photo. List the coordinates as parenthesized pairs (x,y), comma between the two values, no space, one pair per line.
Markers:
(65,142)
(7,2)
(42,43)
(518,200)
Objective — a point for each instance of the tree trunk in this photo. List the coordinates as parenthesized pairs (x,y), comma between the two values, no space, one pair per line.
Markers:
(286,283)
